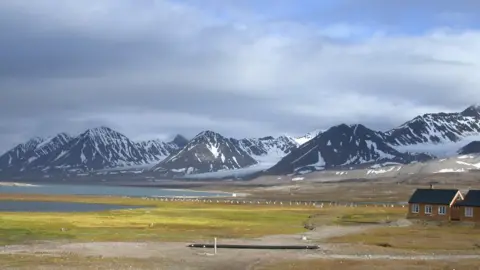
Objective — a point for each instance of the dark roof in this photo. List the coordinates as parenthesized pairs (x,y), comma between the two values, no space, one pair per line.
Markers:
(433,196)
(471,199)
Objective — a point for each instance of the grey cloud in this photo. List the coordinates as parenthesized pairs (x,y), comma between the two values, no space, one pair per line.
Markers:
(187,73)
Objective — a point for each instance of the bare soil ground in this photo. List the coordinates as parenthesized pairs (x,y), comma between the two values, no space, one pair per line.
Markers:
(392,189)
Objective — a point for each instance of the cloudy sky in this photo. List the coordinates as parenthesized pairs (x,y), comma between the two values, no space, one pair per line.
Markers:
(153,68)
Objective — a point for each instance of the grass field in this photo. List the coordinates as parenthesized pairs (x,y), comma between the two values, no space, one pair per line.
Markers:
(174,221)
(417,237)
(194,221)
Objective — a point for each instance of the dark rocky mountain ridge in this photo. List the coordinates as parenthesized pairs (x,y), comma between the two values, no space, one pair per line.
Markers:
(94,149)
(345,146)
(341,146)
(206,152)
(471,148)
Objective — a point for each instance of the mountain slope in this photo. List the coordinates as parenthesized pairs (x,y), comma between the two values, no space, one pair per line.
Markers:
(206,152)
(440,134)
(267,149)
(471,148)
(96,148)
(22,156)
(341,146)
(51,144)
(19,155)
(157,150)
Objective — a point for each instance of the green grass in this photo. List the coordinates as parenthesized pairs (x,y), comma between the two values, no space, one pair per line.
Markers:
(161,221)
(173,221)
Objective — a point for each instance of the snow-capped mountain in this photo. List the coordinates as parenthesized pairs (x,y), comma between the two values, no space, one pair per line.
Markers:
(422,138)
(206,152)
(20,154)
(23,155)
(341,146)
(96,148)
(440,134)
(267,149)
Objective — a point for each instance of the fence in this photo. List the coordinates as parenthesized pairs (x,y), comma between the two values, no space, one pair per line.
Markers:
(319,204)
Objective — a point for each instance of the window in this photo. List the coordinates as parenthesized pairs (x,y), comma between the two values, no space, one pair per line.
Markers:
(468,211)
(442,210)
(415,208)
(428,209)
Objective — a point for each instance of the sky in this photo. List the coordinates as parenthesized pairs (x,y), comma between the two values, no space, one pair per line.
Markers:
(244,68)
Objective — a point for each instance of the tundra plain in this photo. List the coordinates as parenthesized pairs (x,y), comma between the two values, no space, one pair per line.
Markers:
(350,234)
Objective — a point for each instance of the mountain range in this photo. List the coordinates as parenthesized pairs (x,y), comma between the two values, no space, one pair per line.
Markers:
(425,137)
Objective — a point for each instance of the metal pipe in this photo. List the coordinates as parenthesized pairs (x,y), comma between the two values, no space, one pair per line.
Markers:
(252,246)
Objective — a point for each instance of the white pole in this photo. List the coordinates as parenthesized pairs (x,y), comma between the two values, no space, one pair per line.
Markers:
(215,245)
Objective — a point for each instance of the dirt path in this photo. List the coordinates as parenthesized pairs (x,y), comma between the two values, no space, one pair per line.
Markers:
(189,258)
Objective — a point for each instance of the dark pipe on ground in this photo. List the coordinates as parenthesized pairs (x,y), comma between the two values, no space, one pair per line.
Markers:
(251,246)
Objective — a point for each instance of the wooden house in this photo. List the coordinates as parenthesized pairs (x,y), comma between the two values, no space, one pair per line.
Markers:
(469,207)
(434,204)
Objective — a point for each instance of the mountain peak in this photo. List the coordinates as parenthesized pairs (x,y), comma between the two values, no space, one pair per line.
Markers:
(207,152)
(180,140)
(100,129)
(208,133)
(353,127)
(100,132)
(473,110)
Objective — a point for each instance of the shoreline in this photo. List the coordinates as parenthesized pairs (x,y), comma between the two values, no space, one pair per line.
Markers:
(192,192)
(231,194)
(16,184)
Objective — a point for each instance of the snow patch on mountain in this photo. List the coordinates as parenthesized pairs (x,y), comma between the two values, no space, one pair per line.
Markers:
(267,150)
(439,149)
(307,137)
(440,134)
(234,173)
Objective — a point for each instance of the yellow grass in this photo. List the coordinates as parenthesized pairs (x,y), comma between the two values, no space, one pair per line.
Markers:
(417,237)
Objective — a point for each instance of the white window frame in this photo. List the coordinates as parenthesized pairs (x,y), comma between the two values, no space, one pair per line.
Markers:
(430,208)
(444,208)
(415,208)
(469,211)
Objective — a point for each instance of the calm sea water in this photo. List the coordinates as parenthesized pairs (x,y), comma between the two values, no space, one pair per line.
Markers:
(31,206)
(50,189)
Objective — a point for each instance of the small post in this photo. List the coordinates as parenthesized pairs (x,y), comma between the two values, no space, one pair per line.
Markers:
(215,245)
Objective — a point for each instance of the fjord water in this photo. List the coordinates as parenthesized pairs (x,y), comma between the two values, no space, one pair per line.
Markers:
(98,190)
(34,206)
